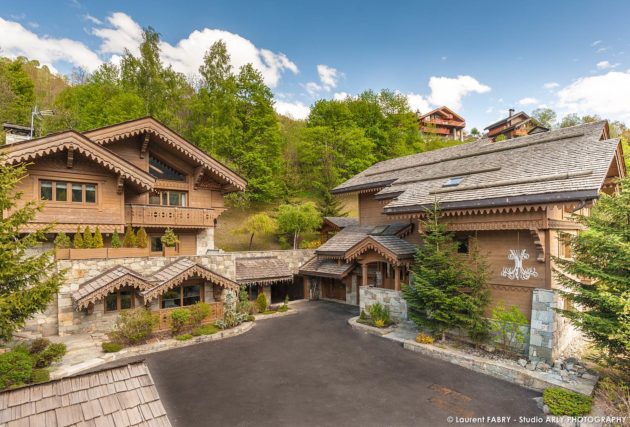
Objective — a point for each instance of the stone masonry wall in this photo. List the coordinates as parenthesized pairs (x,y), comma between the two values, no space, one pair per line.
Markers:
(389,298)
(543,325)
(61,317)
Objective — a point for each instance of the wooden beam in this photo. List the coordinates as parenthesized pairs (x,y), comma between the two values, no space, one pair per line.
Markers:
(197,174)
(145,145)
(70,159)
(539,242)
(120,184)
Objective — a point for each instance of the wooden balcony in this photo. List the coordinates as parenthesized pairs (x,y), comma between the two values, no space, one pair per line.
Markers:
(170,216)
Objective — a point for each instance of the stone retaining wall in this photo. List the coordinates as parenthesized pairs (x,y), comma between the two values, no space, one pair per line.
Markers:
(388,297)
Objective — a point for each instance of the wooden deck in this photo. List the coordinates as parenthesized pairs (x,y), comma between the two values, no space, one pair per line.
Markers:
(169,216)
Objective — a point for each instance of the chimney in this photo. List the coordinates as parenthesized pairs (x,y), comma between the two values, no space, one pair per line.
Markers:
(510,111)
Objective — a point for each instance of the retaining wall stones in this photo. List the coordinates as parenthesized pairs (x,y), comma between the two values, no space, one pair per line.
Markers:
(388,297)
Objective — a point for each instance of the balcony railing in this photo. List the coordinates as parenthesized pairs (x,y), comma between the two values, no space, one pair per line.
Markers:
(169,216)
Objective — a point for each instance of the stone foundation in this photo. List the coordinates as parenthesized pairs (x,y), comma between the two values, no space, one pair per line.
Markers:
(205,241)
(389,298)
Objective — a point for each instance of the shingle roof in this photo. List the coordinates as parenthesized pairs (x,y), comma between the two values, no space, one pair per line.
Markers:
(395,244)
(120,396)
(386,235)
(513,116)
(326,268)
(262,270)
(108,281)
(552,163)
(342,221)
(344,240)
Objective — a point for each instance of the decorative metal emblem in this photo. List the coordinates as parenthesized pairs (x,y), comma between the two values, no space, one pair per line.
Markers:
(518,272)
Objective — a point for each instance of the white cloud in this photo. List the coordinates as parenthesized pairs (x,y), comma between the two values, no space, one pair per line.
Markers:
(528,101)
(340,96)
(602,49)
(295,110)
(604,65)
(450,91)
(418,103)
(15,40)
(595,43)
(124,33)
(92,19)
(329,76)
(313,88)
(551,85)
(605,95)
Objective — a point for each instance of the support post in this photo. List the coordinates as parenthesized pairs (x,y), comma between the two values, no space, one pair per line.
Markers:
(364,274)
(397,278)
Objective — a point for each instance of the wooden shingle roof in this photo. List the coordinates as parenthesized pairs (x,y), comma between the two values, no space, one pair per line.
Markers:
(341,221)
(262,270)
(109,281)
(120,396)
(563,164)
(326,268)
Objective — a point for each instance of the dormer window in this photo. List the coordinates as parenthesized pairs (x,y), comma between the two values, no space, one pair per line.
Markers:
(453,182)
(160,170)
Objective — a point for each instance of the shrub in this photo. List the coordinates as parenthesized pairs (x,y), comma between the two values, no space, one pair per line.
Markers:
(88,239)
(378,312)
(198,312)
(261,302)
(77,242)
(424,338)
(231,317)
(564,402)
(614,395)
(134,326)
(169,238)
(507,325)
(205,330)
(244,306)
(16,368)
(98,238)
(111,347)
(52,353)
(283,308)
(250,318)
(142,239)
(363,316)
(116,240)
(183,337)
(180,319)
(38,345)
(129,241)
(40,376)
(379,323)
(62,241)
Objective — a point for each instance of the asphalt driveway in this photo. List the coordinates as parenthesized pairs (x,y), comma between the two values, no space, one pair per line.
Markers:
(312,369)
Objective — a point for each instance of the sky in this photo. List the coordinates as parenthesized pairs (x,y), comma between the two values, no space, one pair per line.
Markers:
(479,58)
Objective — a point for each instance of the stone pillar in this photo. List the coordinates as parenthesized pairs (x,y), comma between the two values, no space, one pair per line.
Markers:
(205,241)
(364,274)
(397,278)
(542,328)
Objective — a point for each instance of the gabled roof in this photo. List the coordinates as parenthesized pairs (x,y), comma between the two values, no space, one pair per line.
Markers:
(560,165)
(512,117)
(262,270)
(322,267)
(119,131)
(122,395)
(340,222)
(27,150)
(109,281)
(443,110)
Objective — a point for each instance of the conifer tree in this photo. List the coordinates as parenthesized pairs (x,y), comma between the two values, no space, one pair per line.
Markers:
(142,240)
(129,241)
(27,283)
(597,278)
(77,242)
(116,239)
(447,292)
(98,238)
(88,239)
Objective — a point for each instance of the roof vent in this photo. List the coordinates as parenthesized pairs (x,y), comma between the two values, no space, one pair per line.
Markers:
(453,182)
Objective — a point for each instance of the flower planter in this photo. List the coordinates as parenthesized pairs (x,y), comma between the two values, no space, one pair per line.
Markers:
(169,251)
(62,253)
(127,252)
(88,253)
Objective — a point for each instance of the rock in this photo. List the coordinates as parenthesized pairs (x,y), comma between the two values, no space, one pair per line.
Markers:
(531,366)
(539,402)
(588,376)
(557,364)
(569,366)
(564,375)
(522,362)
(545,409)
(489,348)
(543,367)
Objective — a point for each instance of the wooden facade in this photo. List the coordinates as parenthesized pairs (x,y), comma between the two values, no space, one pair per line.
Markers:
(514,126)
(443,122)
(137,173)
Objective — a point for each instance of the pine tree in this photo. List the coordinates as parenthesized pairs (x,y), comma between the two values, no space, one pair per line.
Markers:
(77,242)
(27,283)
(142,240)
(88,239)
(597,278)
(98,238)
(447,292)
(129,241)
(116,239)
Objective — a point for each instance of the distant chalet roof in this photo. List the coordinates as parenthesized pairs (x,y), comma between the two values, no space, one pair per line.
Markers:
(262,271)
(119,396)
(559,165)
(443,110)
(512,117)
(341,221)
(322,267)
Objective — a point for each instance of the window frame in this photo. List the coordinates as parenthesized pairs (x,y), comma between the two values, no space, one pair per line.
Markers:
(164,197)
(69,192)
(118,299)
(181,294)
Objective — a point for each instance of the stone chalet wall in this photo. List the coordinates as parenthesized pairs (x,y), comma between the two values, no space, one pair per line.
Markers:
(387,297)
(61,318)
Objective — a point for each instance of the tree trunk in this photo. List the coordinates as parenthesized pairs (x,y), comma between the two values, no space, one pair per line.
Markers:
(251,239)
(295,236)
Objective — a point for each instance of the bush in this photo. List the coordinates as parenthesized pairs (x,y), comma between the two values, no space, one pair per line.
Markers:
(198,312)
(244,306)
(98,239)
(283,308)
(142,239)
(38,345)
(363,316)
(134,326)
(205,330)
(379,323)
(129,241)
(77,242)
(111,347)
(506,324)
(378,312)
(424,339)
(169,238)
(62,241)
(250,318)
(183,337)
(116,240)
(261,302)
(16,368)
(40,376)
(614,394)
(564,402)
(88,239)
(231,317)
(52,353)
(180,319)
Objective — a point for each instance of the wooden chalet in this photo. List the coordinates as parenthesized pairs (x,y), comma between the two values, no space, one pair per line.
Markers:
(514,197)
(138,173)
(515,125)
(444,122)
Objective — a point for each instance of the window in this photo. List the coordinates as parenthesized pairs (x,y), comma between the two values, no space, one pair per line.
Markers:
(160,170)
(452,182)
(462,244)
(182,296)
(57,191)
(156,244)
(122,299)
(169,198)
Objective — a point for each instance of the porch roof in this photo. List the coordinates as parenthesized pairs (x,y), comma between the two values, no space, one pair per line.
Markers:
(387,235)
(326,268)
(262,271)
(109,281)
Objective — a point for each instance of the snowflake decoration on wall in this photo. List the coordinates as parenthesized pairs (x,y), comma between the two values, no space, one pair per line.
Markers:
(518,272)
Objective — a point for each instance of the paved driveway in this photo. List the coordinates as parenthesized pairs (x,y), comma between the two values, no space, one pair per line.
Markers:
(312,369)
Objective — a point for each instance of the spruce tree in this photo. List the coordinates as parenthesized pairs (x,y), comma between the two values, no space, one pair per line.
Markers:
(88,239)
(597,278)
(115,240)
(142,239)
(77,242)
(27,283)
(447,292)
(98,238)
(129,241)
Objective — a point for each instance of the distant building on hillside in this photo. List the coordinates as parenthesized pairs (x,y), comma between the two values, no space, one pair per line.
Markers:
(443,121)
(515,125)
(15,133)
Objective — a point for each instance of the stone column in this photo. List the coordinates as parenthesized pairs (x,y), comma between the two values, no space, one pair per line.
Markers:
(542,327)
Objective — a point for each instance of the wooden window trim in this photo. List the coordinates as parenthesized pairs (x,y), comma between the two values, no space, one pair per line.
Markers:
(161,194)
(118,300)
(68,202)
(202,297)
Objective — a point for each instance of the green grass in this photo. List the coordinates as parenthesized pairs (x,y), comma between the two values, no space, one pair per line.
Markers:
(205,330)
(269,312)
(183,337)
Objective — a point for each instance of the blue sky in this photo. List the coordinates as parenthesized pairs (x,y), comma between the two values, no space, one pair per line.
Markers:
(480,58)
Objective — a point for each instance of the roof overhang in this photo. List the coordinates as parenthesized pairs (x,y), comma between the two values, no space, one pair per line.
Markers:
(371,245)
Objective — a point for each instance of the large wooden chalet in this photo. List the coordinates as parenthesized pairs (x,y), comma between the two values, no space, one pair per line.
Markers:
(443,122)
(513,196)
(138,173)
(514,126)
